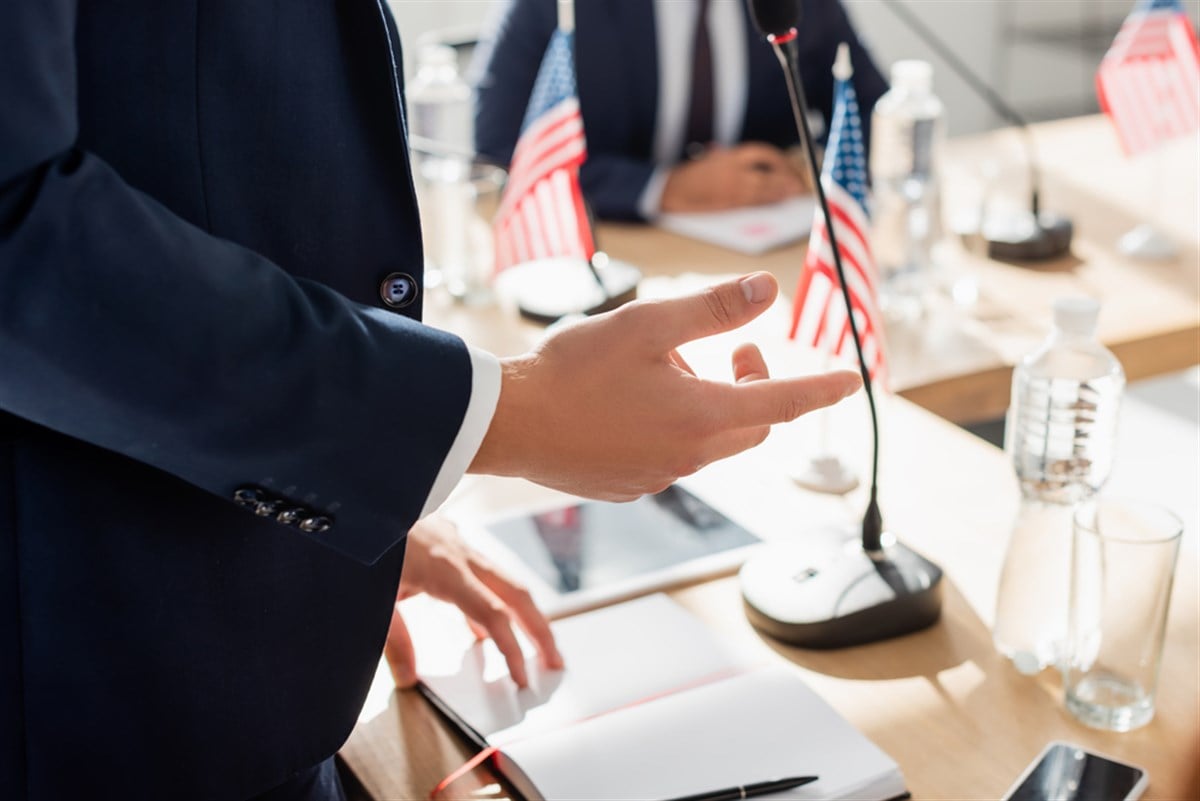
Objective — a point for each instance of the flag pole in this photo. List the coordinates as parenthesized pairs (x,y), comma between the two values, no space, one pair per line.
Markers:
(1146,242)
(825,471)
(566,24)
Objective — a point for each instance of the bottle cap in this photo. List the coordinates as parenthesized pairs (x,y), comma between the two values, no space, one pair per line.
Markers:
(912,75)
(436,55)
(1076,314)
(843,70)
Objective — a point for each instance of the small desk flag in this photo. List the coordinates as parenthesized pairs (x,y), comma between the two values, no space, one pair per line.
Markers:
(819,312)
(1149,80)
(541,213)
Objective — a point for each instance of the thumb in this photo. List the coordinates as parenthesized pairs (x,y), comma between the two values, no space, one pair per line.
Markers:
(717,309)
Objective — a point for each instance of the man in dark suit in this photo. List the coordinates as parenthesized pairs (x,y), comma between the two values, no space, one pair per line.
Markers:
(220,415)
(684,104)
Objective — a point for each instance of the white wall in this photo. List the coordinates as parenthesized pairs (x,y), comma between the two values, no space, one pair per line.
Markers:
(1040,54)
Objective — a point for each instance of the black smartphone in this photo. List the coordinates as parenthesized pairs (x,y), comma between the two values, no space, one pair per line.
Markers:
(1065,772)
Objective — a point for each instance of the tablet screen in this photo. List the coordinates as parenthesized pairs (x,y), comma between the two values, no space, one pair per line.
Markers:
(593,544)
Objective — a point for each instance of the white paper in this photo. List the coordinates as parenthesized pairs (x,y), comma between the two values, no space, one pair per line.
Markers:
(613,656)
(753,230)
(753,727)
(651,705)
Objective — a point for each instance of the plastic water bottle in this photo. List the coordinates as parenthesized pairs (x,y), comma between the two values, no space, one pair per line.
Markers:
(1060,433)
(907,130)
(440,121)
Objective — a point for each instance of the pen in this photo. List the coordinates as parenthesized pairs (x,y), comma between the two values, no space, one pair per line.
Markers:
(750,790)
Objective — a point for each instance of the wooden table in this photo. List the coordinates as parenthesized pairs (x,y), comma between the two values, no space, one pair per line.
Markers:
(943,703)
(957,718)
(957,361)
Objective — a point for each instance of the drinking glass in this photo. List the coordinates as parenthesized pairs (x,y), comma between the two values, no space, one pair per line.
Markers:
(1123,564)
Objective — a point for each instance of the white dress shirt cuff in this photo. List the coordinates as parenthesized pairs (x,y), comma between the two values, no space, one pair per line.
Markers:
(650,201)
(485,392)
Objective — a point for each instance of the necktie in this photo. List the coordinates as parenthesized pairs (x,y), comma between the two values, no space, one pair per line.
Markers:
(700,111)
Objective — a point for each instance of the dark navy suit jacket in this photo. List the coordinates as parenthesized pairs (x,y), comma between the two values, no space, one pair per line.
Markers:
(200,204)
(616,49)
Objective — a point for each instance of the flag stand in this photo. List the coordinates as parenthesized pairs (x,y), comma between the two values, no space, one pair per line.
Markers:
(1146,85)
(546,290)
(1146,242)
(825,471)
(546,256)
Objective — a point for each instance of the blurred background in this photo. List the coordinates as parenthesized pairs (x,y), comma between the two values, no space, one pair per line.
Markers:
(1040,54)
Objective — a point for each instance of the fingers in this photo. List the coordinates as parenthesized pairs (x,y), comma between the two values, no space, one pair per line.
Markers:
(441,564)
(398,650)
(718,308)
(748,364)
(751,153)
(766,175)
(758,403)
(480,604)
(522,608)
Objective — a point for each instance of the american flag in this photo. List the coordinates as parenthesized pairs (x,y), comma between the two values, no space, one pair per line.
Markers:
(541,213)
(819,311)
(1149,80)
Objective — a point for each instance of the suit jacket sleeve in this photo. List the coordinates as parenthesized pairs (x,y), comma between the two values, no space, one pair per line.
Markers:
(126,327)
(506,66)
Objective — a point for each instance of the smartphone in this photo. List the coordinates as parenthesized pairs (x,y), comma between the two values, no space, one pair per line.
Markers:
(1065,772)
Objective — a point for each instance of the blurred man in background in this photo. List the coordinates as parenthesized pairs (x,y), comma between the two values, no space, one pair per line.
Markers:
(684,105)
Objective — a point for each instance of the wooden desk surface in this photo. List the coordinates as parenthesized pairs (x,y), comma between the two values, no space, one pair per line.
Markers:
(957,718)
(960,722)
(958,361)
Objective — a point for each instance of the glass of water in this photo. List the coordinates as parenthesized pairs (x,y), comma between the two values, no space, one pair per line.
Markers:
(1123,565)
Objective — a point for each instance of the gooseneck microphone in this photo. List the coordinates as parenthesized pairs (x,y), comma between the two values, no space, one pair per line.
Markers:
(777,21)
(840,590)
(1037,237)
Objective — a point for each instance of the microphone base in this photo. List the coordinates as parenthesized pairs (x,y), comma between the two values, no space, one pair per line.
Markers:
(828,592)
(546,290)
(1023,238)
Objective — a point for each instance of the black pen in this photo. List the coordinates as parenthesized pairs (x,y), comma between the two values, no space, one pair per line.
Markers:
(750,790)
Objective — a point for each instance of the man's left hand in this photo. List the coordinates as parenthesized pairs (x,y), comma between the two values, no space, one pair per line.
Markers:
(439,563)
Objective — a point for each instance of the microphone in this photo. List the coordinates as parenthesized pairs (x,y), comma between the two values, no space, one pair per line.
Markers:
(1038,235)
(775,19)
(844,592)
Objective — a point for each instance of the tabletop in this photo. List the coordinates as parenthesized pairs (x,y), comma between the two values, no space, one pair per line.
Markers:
(957,360)
(959,721)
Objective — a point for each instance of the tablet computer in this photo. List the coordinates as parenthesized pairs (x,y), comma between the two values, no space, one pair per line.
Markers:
(586,554)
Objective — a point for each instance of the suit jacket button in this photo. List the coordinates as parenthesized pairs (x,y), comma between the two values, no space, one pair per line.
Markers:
(289,517)
(247,497)
(316,525)
(266,508)
(398,290)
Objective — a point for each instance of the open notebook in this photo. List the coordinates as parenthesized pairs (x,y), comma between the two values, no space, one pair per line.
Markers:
(650,706)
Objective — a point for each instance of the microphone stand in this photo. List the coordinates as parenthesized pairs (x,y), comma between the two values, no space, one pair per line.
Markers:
(1042,235)
(855,589)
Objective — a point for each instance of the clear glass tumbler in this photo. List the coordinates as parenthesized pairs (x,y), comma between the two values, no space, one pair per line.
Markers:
(1123,565)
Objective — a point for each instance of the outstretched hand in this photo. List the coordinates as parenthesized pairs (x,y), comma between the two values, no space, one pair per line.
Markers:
(606,408)
(439,563)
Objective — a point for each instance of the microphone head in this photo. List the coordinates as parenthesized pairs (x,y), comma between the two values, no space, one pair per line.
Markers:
(775,17)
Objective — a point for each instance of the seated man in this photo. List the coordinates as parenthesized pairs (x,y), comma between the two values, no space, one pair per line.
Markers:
(679,116)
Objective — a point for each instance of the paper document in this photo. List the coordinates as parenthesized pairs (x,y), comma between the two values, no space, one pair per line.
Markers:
(751,230)
(650,705)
